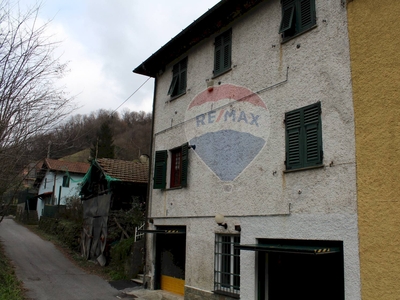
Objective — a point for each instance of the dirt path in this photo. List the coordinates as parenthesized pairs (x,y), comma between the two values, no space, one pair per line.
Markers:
(45,272)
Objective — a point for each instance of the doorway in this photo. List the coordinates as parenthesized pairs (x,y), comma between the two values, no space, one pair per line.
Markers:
(170,260)
(293,273)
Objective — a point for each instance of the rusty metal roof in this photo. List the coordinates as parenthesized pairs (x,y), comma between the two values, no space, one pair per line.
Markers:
(215,19)
(71,167)
(128,171)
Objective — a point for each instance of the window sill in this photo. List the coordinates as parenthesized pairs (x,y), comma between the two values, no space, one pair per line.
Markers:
(296,35)
(304,169)
(222,73)
(176,97)
(174,188)
(232,295)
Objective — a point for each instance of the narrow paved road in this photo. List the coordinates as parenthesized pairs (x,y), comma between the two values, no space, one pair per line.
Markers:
(44,270)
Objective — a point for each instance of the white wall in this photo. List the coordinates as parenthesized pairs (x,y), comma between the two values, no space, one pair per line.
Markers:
(263,199)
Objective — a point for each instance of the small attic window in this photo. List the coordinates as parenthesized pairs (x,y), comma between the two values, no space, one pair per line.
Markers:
(178,83)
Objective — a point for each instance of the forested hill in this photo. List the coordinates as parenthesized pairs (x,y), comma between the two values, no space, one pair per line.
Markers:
(131,136)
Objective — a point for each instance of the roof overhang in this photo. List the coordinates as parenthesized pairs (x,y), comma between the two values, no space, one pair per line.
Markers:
(43,195)
(215,19)
(293,249)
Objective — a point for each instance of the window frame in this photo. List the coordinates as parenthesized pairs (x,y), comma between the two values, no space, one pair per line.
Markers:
(222,53)
(227,265)
(298,16)
(161,164)
(179,79)
(304,137)
(176,167)
(66,181)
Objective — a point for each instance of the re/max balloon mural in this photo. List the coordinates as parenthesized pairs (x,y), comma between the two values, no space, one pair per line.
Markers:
(229,125)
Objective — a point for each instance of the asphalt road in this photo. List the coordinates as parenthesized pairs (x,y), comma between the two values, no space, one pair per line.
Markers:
(45,272)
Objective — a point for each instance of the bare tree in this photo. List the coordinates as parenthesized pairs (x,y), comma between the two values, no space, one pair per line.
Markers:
(30,102)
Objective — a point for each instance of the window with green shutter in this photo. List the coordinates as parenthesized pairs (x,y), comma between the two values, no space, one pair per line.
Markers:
(223,50)
(304,137)
(65,181)
(297,17)
(179,161)
(178,83)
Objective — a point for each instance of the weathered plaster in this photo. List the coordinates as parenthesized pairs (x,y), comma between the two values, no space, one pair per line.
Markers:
(266,201)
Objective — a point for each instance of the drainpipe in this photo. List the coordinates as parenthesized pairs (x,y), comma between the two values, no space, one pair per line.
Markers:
(59,197)
(145,283)
(54,186)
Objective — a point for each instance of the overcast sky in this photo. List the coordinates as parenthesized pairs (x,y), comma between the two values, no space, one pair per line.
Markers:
(105,40)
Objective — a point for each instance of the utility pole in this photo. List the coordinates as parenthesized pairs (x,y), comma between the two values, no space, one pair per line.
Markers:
(48,149)
(97,148)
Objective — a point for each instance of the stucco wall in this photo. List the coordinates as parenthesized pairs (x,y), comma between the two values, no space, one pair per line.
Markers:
(375,63)
(263,199)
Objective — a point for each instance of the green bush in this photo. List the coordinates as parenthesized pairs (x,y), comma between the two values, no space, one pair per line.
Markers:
(120,253)
(67,231)
(10,287)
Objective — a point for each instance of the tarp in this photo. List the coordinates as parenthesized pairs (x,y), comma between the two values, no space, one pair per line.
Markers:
(94,233)
(97,206)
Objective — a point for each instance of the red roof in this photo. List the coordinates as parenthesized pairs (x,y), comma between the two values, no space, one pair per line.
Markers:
(72,167)
(128,171)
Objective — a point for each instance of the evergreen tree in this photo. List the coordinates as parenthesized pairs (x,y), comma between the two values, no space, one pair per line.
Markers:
(103,146)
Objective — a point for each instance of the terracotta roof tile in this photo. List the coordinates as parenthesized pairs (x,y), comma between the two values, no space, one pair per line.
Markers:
(128,171)
(72,167)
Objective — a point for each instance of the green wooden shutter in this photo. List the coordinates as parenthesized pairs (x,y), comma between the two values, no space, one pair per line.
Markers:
(173,85)
(285,3)
(227,50)
(185,164)
(306,14)
(287,18)
(304,137)
(218,55)
(182,76)
(293,139)
(313,136)
(160,169)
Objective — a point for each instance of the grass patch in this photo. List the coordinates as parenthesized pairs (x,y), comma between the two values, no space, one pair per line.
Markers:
(10,287)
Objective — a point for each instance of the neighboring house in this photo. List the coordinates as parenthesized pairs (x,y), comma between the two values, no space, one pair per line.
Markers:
(125,180)
(110,184)
(375,68)
(56,181)
(29,174)
(275,153)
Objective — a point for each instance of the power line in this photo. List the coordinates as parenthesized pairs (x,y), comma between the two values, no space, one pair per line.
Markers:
(131,95)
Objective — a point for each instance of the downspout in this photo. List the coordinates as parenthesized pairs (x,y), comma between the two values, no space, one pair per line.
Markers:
(54,187)
(145,283)
(59,197)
